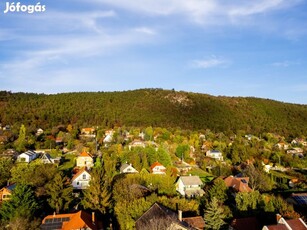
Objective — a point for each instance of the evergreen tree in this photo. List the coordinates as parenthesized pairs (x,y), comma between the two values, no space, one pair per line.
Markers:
(60,192)
(214,215)
(20,143)
(21,205)
(219,189)
(97,196)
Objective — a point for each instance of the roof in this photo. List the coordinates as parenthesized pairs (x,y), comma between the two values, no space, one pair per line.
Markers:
(240,184)
(125,166)
(82,170)
(300,198)
(190,180)
(297,224)
(159,217)
(155,165)
(195,222)
(250,223)
(293,224)
(85,154)
(29,153)
(70,221)
(10,187)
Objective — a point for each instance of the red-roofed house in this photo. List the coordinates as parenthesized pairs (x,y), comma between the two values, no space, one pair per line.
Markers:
(81,180)
(79,220)
(6,192)
(239,184)
(157,168)
(294,224)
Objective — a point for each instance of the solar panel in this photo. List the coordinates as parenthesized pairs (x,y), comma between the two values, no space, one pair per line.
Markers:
(301,200)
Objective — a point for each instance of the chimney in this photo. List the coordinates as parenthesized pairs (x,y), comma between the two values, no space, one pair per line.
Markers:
(93,217)
(180,215)
(278,217)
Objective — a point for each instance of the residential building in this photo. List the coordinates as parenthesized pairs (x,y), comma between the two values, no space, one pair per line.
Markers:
(189,186)
(81,179)
(157,168)
(78,220)
(85,160)
(283,224)
(47,159)
(6,192)
(215,154)
(161,217)
(127,168)
(27,156)
(238,184)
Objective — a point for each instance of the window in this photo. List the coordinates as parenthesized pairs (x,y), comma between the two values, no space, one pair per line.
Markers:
(84,176)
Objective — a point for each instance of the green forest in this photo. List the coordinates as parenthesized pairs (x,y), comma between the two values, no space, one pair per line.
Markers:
(153,107)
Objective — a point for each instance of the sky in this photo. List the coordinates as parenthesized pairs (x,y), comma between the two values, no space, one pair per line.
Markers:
(244,48)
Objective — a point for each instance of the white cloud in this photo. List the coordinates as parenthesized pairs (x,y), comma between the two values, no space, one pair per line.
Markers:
(285,63)
(209,63)
(145,30)
(201,11)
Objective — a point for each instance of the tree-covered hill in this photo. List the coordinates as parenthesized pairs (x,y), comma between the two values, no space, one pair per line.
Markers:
(153,107)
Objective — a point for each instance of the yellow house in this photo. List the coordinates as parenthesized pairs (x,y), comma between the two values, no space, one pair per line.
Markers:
(6,192)
(85,160)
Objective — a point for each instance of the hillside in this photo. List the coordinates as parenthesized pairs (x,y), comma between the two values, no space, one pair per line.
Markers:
(155,107)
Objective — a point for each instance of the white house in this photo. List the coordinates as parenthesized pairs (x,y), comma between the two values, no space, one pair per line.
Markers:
(81,180)
(85,160)
(127,168)
(189,186)
(157,168)
(215,154)
(47,159)
(27,156)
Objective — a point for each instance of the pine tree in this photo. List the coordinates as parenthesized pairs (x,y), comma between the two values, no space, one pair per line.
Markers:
(20,143)
(22,204)
(97,196)
(214,215)
(60,192)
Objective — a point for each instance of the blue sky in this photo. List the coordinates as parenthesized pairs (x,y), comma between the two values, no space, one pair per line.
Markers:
(233,48)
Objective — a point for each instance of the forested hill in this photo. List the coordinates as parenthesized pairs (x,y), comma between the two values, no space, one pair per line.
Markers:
(153,107)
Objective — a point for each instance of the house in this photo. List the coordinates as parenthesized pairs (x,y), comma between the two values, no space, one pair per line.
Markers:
(161,217)
(85,160)
(108,137)
(215,154)
(81,179)
(196,222)
(39,132)
(88,131)
(46,159)
(282,224)
(238,184)
(137,143)
(6,192)
(27,156)
(78,220)
(296,152)
(157,168)
(282,145)
(189,186)
(127,168)
(9,153)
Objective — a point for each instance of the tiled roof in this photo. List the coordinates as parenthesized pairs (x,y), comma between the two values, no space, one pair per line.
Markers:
(195,222)
(239,184)
(79,220)
(85,154)
(296,224)
(250,223)
(155,164)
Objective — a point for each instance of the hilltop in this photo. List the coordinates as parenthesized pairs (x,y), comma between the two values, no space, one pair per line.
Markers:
(154,107)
